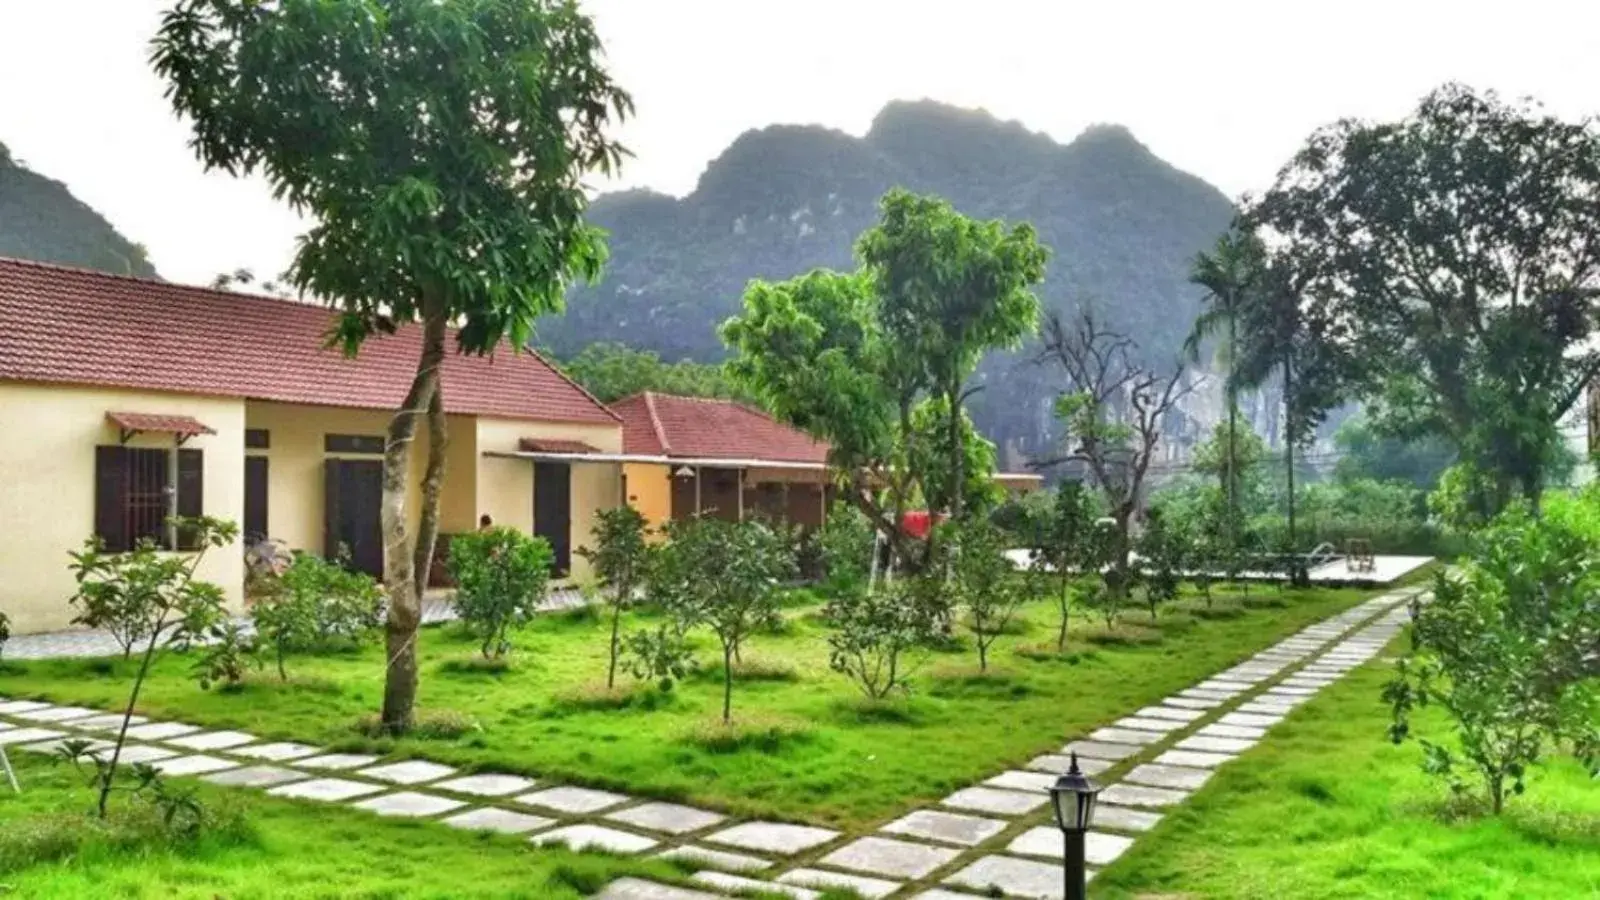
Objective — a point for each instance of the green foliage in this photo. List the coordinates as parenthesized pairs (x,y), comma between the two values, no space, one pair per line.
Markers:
(879,637)
(226,658)
(620,559)
(501,576)
(40,219)
(152,594)
(1507,649)
(846,542)
(1163,556)
(983,583)
(1469,323)
(179,809)
(5,632)
(1067,546)
(930,429)
(315,605)
(661,654)
(1366,454)
(1235,457)
(724,576)
(611,371)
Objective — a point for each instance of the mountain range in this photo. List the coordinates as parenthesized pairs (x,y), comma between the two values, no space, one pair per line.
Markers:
(1123,226)
(41,220)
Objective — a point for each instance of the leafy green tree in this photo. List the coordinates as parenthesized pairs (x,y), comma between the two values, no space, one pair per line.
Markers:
(847,543)
(725,576)
(613,371)
(1066,544)
(314,605)
(175,607)
(1364,453)
(1163,553)
(438,146)
(1229,273)
(866,360)
(1234,455)
(228,655)
(1459,248)
(501,576)
(982,581)
(1508,649)
(951,289)
(620,559)
(876,635)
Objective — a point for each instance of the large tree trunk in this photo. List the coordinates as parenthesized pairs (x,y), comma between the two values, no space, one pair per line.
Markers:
(958,454)
(432,488)
(1288,444)
(399,566)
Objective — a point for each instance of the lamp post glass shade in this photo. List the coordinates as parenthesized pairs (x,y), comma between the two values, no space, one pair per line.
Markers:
(1073,796)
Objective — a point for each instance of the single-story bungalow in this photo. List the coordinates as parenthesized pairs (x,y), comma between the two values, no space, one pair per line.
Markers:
(127,400)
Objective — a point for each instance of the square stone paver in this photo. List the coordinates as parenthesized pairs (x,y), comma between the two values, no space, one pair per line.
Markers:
(1139,723)
(57,714)
(28,735)
(671,818)
(1014,877)
(1098,848)
(1134,795)
(871,888)
(1022,781)
(143,753)
(717,859)
(198,764)
(1169,712)
(411,771)
(278,751)
(575,800)
(409,804)
(1192,703)
(1126,736)
(595,837)
(941,894)
(1102,750)
(1215,744)
(994,800)
(160,731)
(722,881)
(13,707)
(1057,764)
(213,740)
(1281,691)
(945,827)
(640,889)
(773,837)
(1222,684)
(1251,720)
(1207,694)
(108,722)
(1163,776)
(256,776)
(486,785)
(491,818)
(889,858)
(337,761)
(328,790)
(1121,818)
(1238,732)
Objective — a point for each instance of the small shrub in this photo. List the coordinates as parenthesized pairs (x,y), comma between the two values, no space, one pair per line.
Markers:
(501,576)
(876,638)
(845,544)
(226,660)
(762,734)
(477,665)
(764,670)
(982,582)
(620,558)
(597,696)
(1162,557)
(316,605)
(662,655)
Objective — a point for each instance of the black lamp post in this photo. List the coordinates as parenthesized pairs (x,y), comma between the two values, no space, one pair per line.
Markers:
(1073,796)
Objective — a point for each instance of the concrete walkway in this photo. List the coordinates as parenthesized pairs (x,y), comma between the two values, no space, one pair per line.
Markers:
(994,838)
(438,606)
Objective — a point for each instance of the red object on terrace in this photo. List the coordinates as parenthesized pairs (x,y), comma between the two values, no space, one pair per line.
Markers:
(919,522)
(555,445)
(182,426)
(699,428)
(61,325)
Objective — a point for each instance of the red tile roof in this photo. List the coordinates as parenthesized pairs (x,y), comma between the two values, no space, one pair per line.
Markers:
(697,428)
(182,425)
(554,445)
(72,326)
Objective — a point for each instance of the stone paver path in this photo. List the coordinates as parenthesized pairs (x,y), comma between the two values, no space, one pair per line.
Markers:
(995,838)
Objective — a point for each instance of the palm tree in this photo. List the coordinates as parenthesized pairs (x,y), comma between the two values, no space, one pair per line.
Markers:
(1229,273)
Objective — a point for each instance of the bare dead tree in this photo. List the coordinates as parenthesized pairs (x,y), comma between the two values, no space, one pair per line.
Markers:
(1115,409)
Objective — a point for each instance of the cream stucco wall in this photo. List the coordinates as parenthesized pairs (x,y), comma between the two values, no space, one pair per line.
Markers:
(47,487)
(296,466)
(505,486)
(650,492)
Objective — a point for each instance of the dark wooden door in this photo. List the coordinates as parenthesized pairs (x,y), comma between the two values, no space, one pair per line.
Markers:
(255,498)
(352,521)
(552,510)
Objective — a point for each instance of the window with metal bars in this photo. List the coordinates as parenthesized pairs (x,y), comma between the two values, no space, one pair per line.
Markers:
(134,489)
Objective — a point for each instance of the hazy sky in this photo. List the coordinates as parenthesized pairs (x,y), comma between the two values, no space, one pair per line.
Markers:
(1226,89)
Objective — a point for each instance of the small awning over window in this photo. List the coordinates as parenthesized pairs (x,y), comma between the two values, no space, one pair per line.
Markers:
(184,427)
(555,445)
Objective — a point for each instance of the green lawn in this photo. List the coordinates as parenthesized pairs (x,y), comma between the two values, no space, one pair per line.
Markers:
(1327,807)
(813,752)
(273,849)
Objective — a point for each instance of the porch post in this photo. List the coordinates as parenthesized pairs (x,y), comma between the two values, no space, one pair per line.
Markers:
(697,490)
(740,481)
